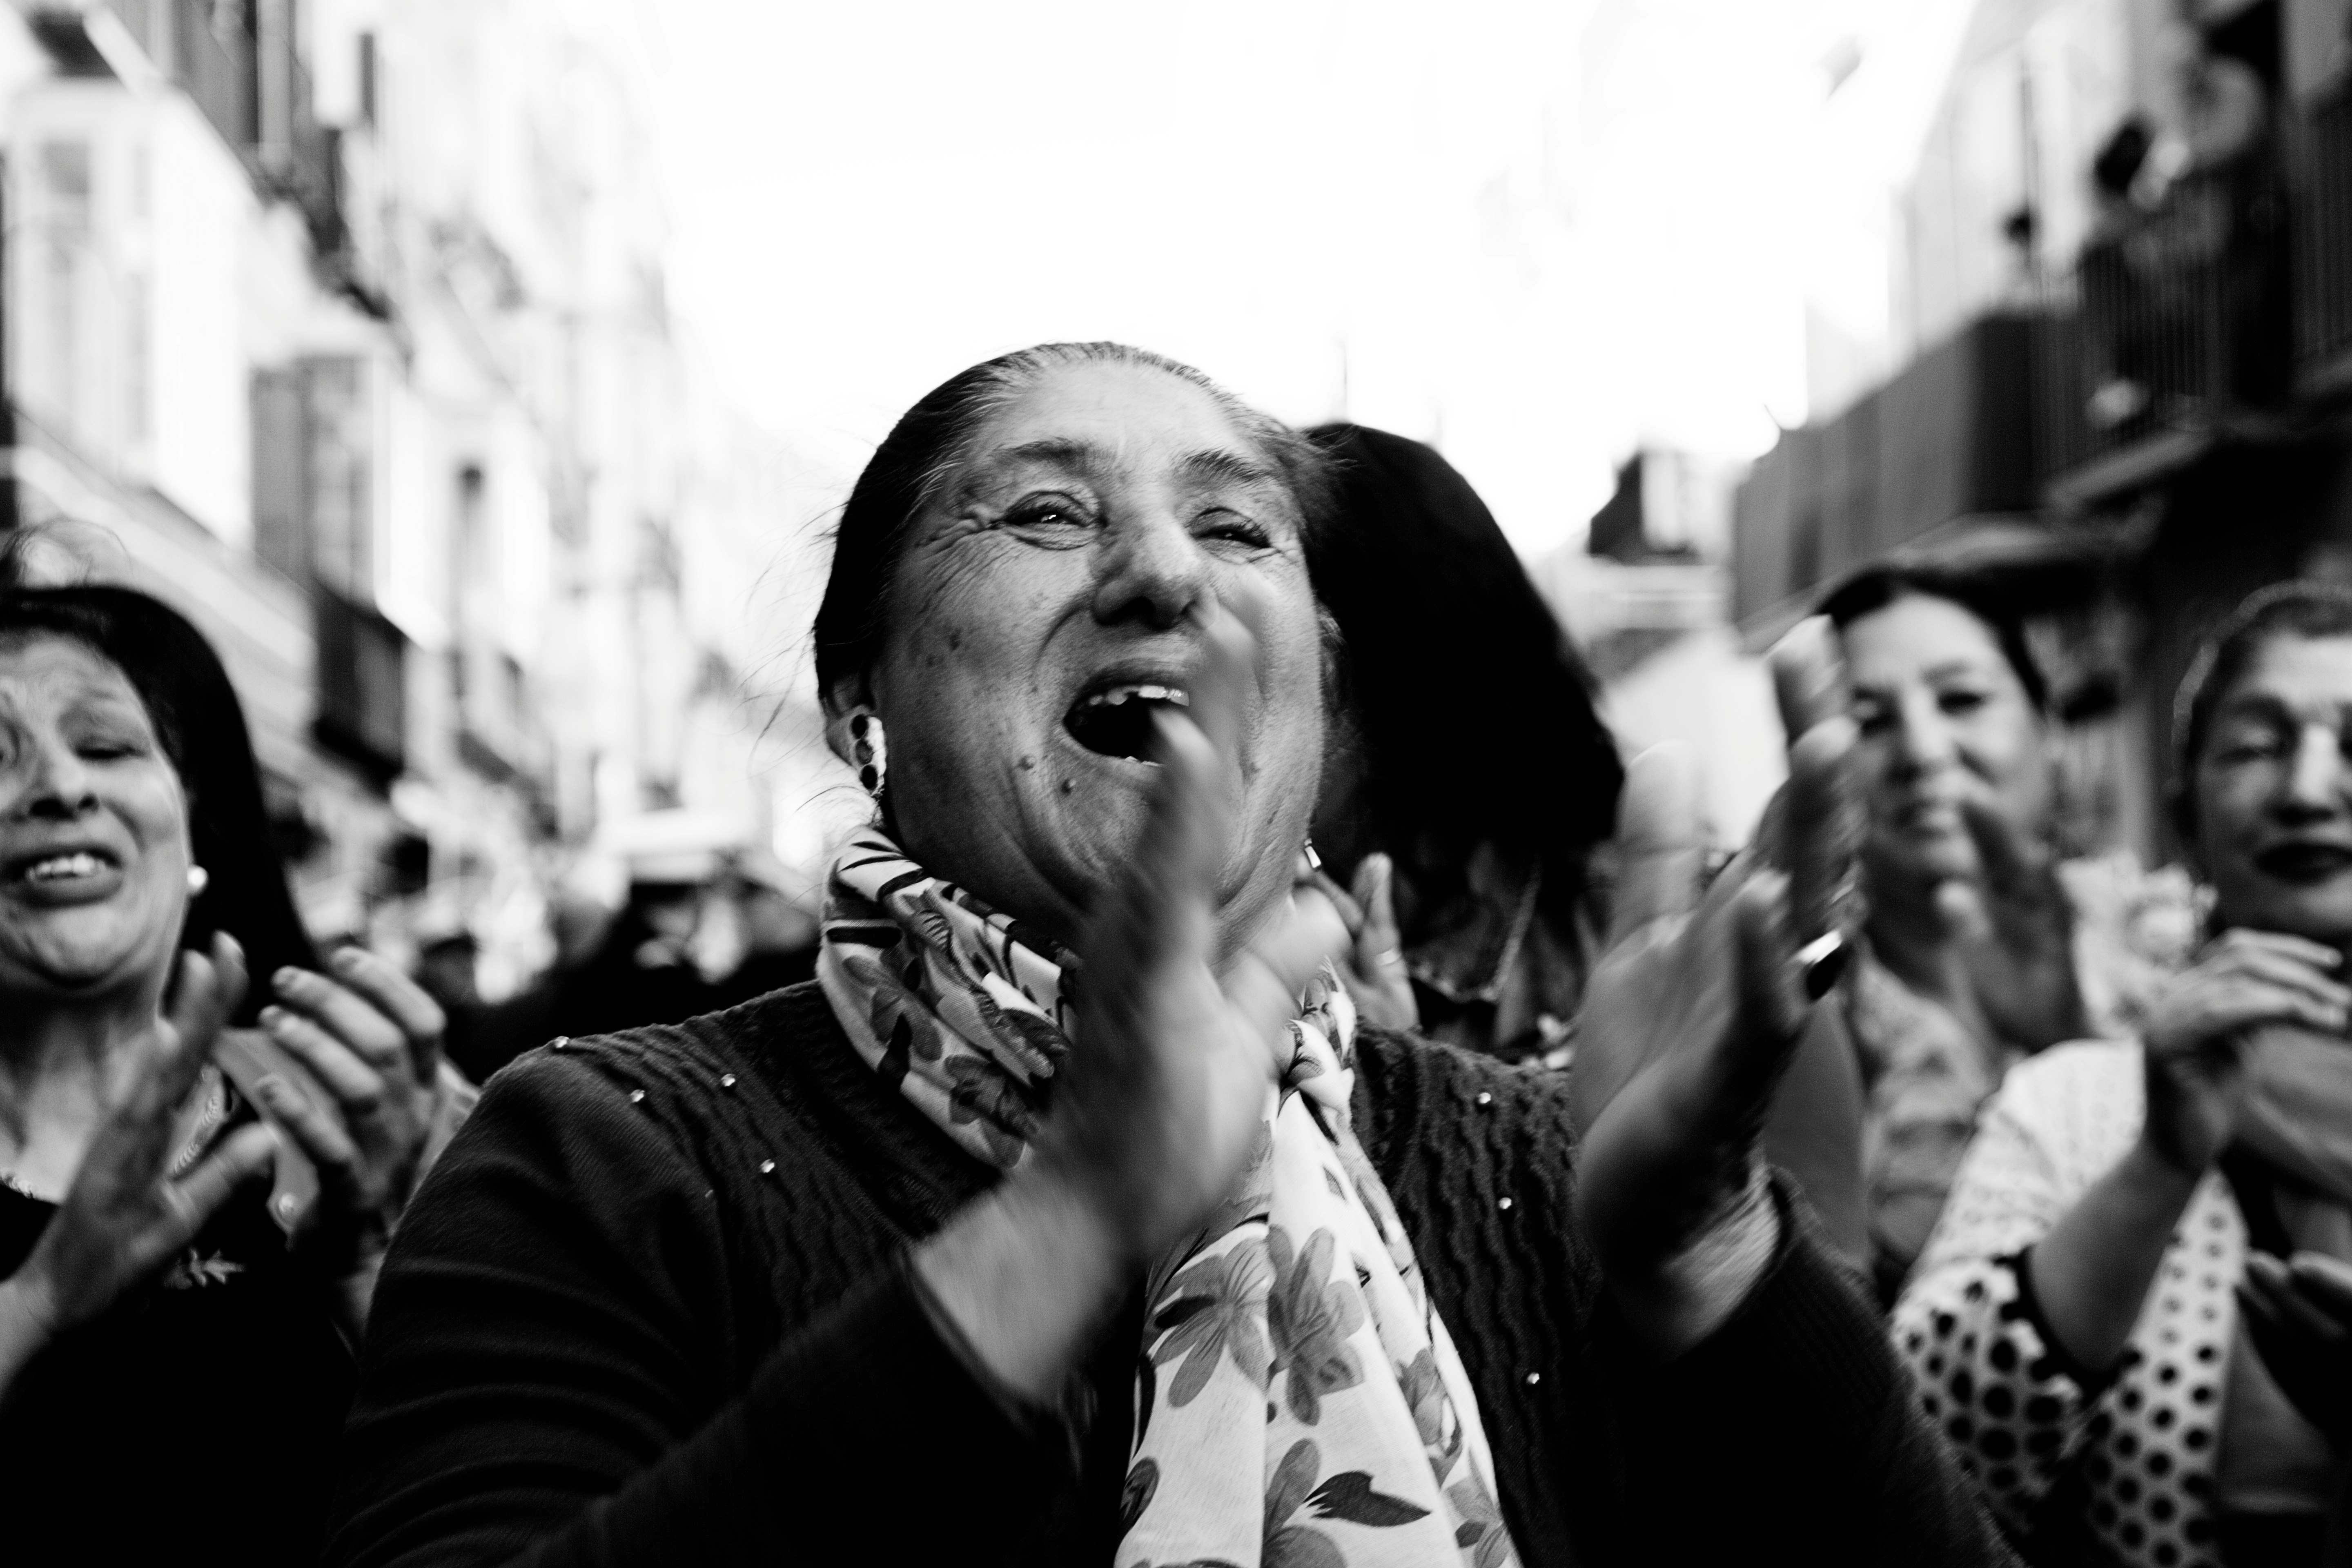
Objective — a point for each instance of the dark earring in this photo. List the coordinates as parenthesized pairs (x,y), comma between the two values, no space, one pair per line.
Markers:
(869,752)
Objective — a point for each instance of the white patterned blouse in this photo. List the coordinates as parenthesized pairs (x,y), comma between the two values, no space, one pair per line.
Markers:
(2146,1441)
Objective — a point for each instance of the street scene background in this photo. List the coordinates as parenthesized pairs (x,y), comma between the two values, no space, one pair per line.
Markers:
(482,375)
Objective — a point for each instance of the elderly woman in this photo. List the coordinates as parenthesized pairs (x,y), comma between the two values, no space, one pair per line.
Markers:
(2073,1321)
(1467,777)
(1070,1217)
(174,1342)
(1981,947)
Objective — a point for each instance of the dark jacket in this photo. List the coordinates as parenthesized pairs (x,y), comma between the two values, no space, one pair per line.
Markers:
(651,1307)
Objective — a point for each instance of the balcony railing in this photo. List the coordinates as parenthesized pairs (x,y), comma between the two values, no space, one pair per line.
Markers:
(2173,322)
(363,684)
(2323,327)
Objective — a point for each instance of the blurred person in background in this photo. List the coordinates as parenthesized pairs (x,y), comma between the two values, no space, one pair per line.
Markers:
(175,1340)
(833,1276)
(779,934)
(1981,947)
(2107,1320)
(1467,777)
(644,967)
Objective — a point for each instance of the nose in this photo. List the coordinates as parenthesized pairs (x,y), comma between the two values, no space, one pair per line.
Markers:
(1924,740)
(2313,785)
(55,781)
(1151,569)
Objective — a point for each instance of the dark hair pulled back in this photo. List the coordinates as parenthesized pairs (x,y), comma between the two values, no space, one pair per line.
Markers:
(923,450)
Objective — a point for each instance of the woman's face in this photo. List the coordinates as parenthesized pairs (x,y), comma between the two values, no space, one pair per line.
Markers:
(93,827)
(1050,599)
(1944,721)
(2273,792)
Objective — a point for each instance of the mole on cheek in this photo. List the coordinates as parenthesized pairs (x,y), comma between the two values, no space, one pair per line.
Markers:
(1028,763)
(1069,786)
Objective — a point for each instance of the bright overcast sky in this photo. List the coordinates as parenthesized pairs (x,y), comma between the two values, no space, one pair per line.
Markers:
(1535,234)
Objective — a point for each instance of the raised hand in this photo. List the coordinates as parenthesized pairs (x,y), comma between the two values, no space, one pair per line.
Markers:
(1374,972)
(2193,1046)
(372,1041)
(126,1216)
(2298,1313)
(1167,1081)
(1175,1053)
(1693,1012)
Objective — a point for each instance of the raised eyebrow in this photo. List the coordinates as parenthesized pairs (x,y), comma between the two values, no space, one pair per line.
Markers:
(1052,451)
(1217,465)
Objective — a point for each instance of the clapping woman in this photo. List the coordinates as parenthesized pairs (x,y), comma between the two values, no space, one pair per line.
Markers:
(175,1343)
(2107,1319)
(1071,1217)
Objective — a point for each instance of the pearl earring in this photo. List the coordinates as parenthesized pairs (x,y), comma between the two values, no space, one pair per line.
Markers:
(198,880)
(869,752)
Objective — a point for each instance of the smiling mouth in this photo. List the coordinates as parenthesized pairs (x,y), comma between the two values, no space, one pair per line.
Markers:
(61,869)
(2304,864)
(1116,720)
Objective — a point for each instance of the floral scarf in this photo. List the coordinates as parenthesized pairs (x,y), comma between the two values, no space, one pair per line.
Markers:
(1300,1401)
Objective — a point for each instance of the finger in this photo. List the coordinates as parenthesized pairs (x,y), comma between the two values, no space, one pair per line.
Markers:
(1823,825)
(344,1013)
(2325,1282)
(1808,679)
(1379,946)
(409,1006)
(2287,972)
(316,1131)
(195,1197)
(353,1081)
(2310,951)
(1663,851)
(1773,1005)
(2015,862)
(158,1077)
(2235,1005)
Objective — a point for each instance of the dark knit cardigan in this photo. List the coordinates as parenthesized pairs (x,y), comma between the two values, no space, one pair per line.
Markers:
(651,1307)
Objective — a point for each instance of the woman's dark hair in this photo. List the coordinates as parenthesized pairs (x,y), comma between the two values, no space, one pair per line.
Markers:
(923,449)
(1874,588)
(1476,713)
(201,726)
(2296,609)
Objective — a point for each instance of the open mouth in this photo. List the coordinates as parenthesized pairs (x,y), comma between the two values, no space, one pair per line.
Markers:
(1116,719)
(61,869)
(2304,864)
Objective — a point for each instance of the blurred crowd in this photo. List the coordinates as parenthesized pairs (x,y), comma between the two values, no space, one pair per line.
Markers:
(1268,1082)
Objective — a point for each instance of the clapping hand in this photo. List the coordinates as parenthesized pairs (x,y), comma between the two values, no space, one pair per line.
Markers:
(369,1039)
(1177,1047)
(2193,1048)
(126,1216)
(1694,1010)
(2299,1315)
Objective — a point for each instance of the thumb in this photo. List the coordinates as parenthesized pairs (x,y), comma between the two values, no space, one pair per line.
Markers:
(1659,837)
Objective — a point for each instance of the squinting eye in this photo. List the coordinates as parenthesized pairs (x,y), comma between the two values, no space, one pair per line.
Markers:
(1959,703)
(1223,524)
(1046,512)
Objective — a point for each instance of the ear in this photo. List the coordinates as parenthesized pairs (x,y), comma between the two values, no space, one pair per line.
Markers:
(841,701)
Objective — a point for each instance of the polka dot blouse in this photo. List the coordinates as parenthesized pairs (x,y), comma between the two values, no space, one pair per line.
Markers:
(2020,1415)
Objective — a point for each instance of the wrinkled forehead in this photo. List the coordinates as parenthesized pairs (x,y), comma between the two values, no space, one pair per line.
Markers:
(2299,677)
(45,669)
(1115,422)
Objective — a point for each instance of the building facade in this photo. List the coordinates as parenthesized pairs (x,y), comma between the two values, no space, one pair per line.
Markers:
(2126,277)
(341,325)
